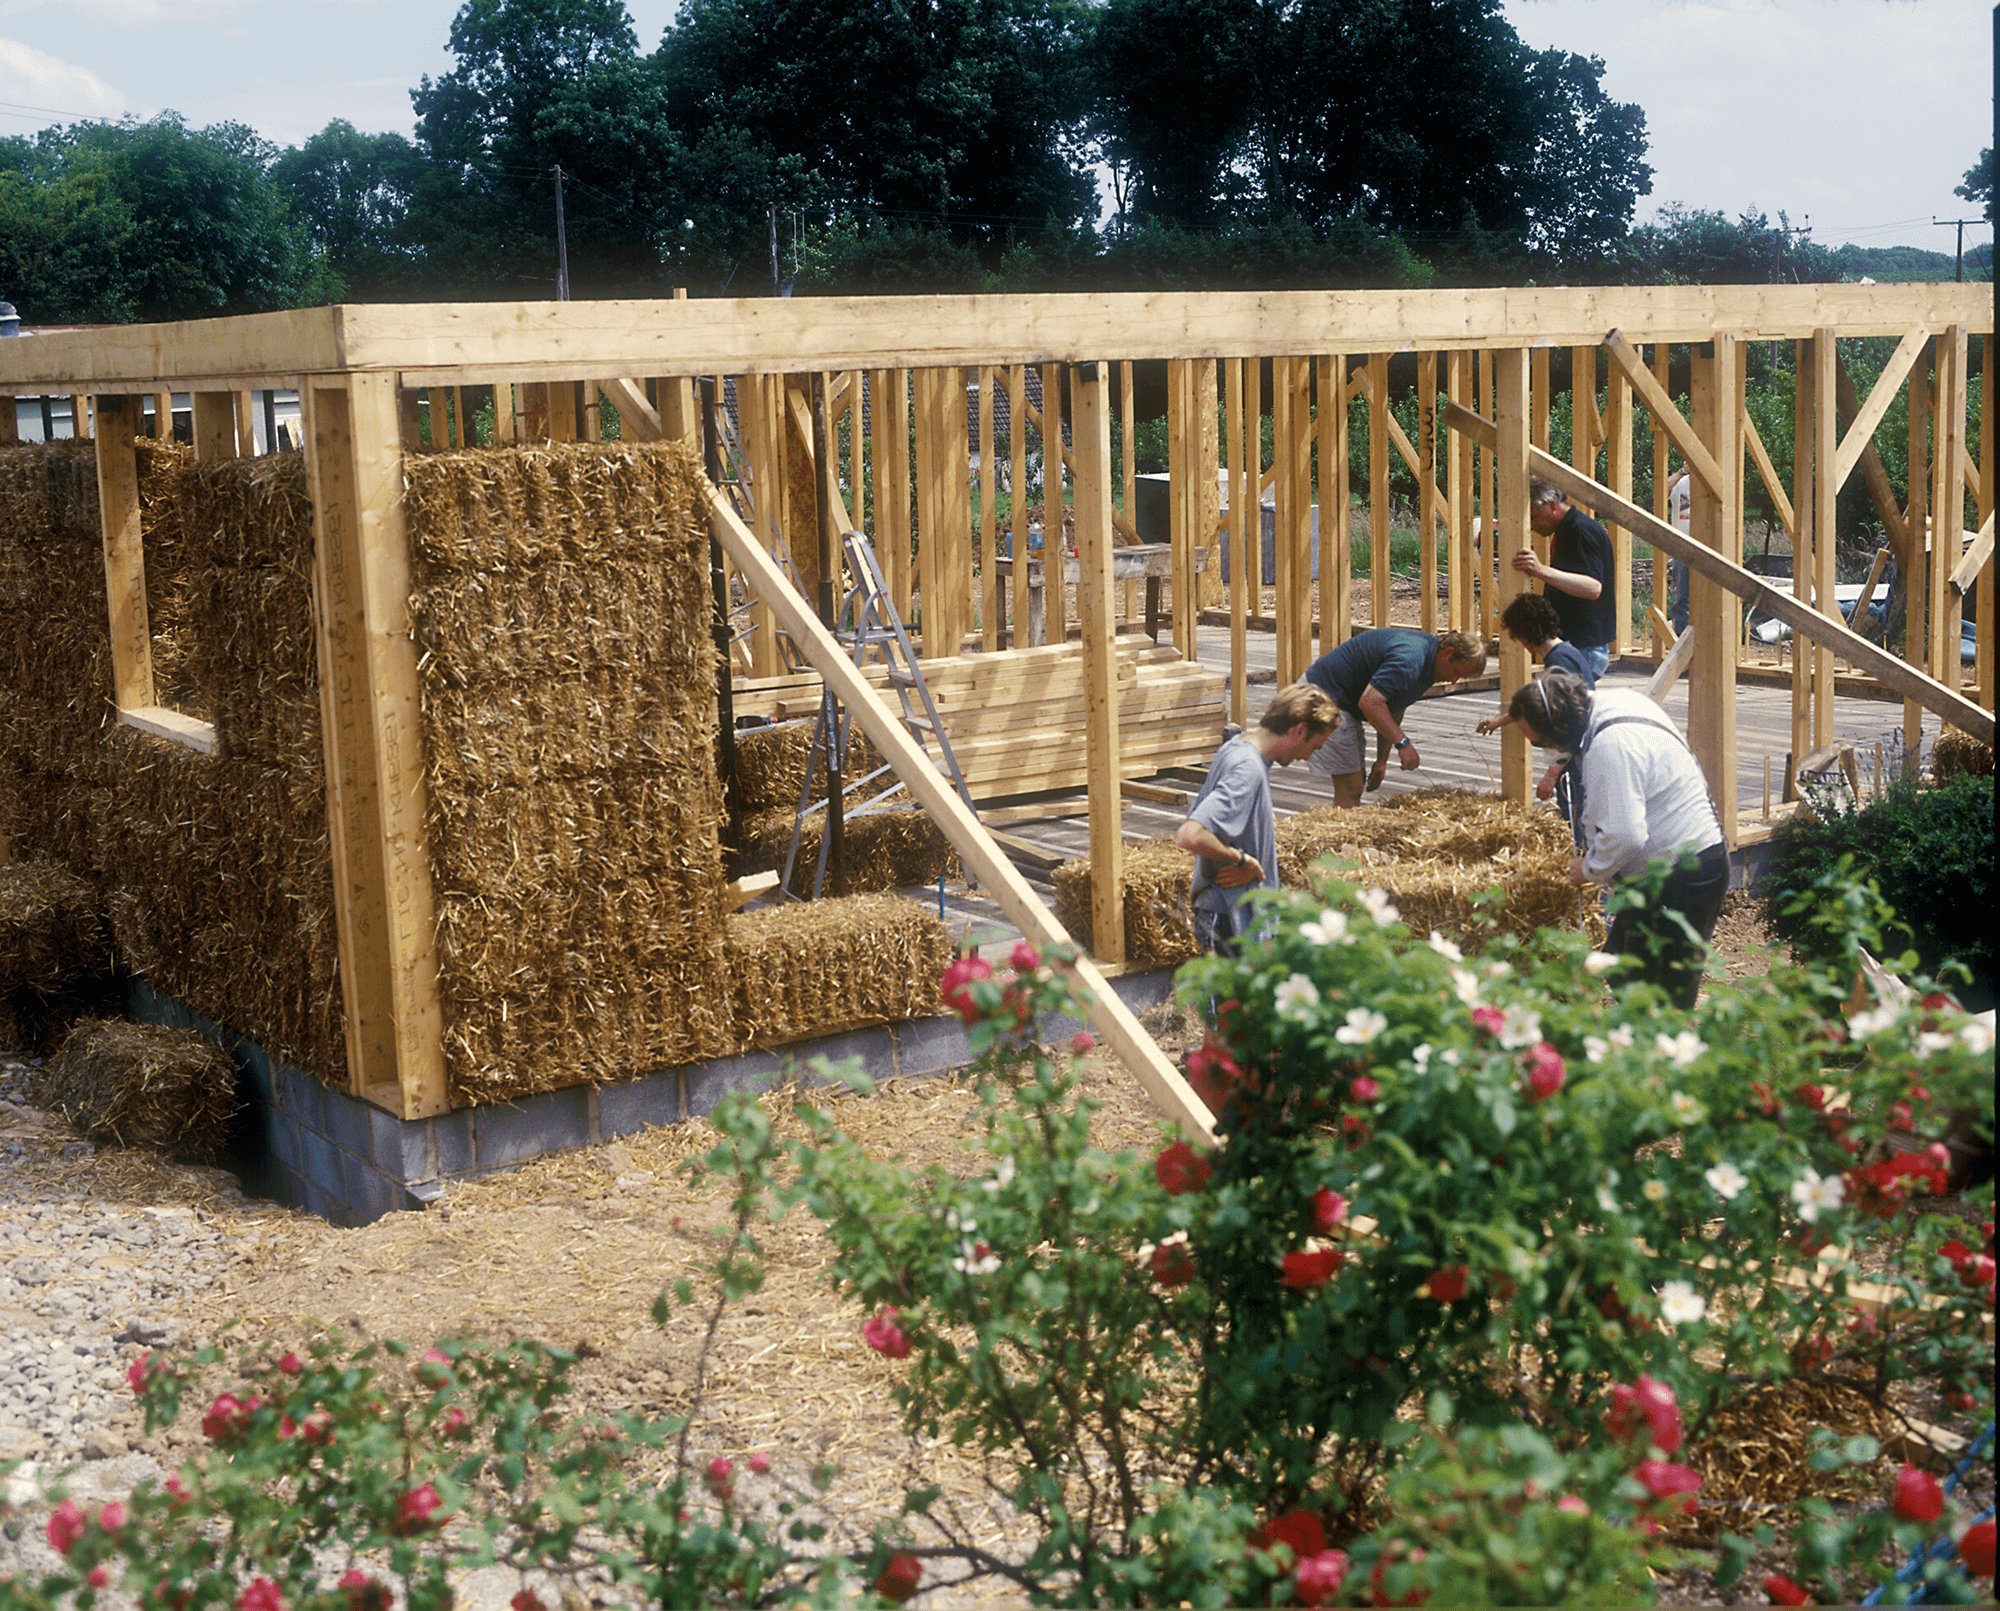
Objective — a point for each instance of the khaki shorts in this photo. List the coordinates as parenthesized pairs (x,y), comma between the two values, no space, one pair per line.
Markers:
(1344,751)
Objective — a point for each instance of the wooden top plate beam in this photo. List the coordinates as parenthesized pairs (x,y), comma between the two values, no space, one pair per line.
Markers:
(443,343)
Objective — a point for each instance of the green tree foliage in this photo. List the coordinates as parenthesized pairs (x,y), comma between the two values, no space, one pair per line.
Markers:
(1978,185)
(352,192)
(1698,247)
(103,222)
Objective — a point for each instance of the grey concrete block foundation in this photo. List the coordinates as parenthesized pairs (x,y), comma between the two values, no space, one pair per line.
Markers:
(303,1144)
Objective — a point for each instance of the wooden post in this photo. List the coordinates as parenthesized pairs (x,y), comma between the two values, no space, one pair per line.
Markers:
(1983,662)
(1379,586)
(1540,390)
(1017,500)
(1805,531)
(10,419)
(214,425)
(1489,480)
(1461,572)
(1184,469)
(1825,550)
(1094,539)
(1129,469)
(1292,464)
(1336,547)
(990,607)
(1056,604)
(1427,496)
(124,551)
(1253,524)
(384,905)
(1916,587)
(1242,516)
(1618,471)
(1712,611)
(506,418)
(562,418)
(891,430)
(1510,418)
(163,416)
(760,426)
(1948,506)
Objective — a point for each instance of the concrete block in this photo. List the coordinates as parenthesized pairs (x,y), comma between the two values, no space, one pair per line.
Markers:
(451,1142)
(534,1125)
(873,1048)
(346,1120)
(631,1105)
(1143,991)
(329,1206)
(281,1135)
(324,1165)
(708,1084)
(931,1046)
(400,1148)
(370,1193)
(301,1096)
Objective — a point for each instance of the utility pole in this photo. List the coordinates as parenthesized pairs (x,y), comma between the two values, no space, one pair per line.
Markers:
(562,244)
(777,286)
(1958,224)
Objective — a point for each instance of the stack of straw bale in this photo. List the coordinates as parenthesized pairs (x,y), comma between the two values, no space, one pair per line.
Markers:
(1958,751)
(1436,852)
(143,1085)
(888,848)
(831,965)
(56,962)
(562,606)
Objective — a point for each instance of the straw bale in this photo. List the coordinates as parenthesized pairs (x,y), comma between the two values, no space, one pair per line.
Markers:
(586,830)
(821,966)
(1958,751)
(1159,918)
(520,734)
(143,1085)
(880,850)
(56,960)
(771,766)
(245,513)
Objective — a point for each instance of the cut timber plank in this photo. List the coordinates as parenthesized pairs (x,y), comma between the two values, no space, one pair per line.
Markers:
(983,859)
(384,904)
(747,888)
(1977,553)
(124,551)
(1905,679)
(187,731)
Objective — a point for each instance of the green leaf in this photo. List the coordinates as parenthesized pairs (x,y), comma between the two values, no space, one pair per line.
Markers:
(1860,1450)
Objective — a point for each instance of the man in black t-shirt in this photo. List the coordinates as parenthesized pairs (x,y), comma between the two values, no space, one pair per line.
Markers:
(1576,577)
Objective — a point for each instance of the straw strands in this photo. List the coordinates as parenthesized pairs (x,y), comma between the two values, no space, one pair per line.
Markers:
(1435,851)
(832,965)
(143,1085)
(55,955)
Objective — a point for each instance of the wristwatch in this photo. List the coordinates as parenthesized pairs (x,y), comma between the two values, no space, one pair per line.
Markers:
(1403,743)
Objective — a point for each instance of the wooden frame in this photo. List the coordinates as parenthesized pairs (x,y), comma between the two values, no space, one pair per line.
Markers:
(360,369)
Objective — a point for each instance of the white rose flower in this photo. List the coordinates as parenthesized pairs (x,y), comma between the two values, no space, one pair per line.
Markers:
(1599,962)
(1379,906)
(1623,1035)
(1977,1037)
(1680,1304)
(1421,1058)
(1329,929)
(1465,986)
(1686,1109)
(1296,999)
(1445,948)
(1654,1191)
(1927,1043)
(1520,1027)
(1813,1192)
(1681,1050)
(1596,1048)
(1725,1180)
(1361,1027)
(1864,1024)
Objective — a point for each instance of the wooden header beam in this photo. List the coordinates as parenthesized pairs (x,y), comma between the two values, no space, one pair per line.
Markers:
(1807,622)
(983,858)
(447,343)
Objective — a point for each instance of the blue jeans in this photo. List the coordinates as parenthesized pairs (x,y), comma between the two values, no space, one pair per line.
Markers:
(1599,658)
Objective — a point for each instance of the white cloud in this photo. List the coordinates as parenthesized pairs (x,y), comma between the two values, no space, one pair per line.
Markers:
(39,89)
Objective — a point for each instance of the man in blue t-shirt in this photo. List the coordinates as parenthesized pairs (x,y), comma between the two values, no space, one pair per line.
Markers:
(1576,577)
(1374,677)
(1232,829)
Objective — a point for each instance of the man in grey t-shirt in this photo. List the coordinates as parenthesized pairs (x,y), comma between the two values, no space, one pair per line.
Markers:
(1231,829)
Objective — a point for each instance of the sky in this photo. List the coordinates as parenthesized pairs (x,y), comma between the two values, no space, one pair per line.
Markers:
(1860,115)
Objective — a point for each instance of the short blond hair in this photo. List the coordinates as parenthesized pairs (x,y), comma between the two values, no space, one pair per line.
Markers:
(1302,702)
(1467,648)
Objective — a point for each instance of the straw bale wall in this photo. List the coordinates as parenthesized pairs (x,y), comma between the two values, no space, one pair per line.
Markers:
(833,965)
(1437,852)
(562,607)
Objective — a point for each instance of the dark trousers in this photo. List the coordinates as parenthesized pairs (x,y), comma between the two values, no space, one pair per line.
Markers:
(1664,953)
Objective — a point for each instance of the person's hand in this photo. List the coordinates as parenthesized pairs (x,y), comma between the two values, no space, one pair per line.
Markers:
(1525,560)
(1493,724)
(1377,772)
(1235,875)
(1545,786)
(1411,760)
(1576,871)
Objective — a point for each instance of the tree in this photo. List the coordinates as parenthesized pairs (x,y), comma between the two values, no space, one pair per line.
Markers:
(1698,247)
(352,192)
(1978,186)
(120,221)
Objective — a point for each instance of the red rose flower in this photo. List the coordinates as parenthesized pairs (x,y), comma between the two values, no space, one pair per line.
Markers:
(457,1424)
(1308,1270)
(1363,1089)
(1298,1530)
(720,1478)
(1081,1042)
(1649,1405)
(66,1526)
(141,1371)
(1814,1096)
(1975,1548)
(1180,1169)
(111,1517)
(955,986)
(1489,1020)
(1329,1209)
(291,1364)
(1918,1496)
(98,1577)
(900,1579)
(527,1600)
(262,1595)
(1783,1591)
(760,1463)
(1668,1481)
(416,1510)
(884,1336)
(1025,957)
(318,1427)
(1545,1072)
(227,1417)
(1319,1577)
(1448,1284)
(1212,1074)
(1173,1263)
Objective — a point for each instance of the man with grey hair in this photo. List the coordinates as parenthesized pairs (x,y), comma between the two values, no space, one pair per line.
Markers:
(1576,577)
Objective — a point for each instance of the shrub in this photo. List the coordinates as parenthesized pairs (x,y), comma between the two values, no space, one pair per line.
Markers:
(1927,849)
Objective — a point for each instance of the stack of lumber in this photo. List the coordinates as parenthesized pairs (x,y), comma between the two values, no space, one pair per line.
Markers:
(1016,718)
